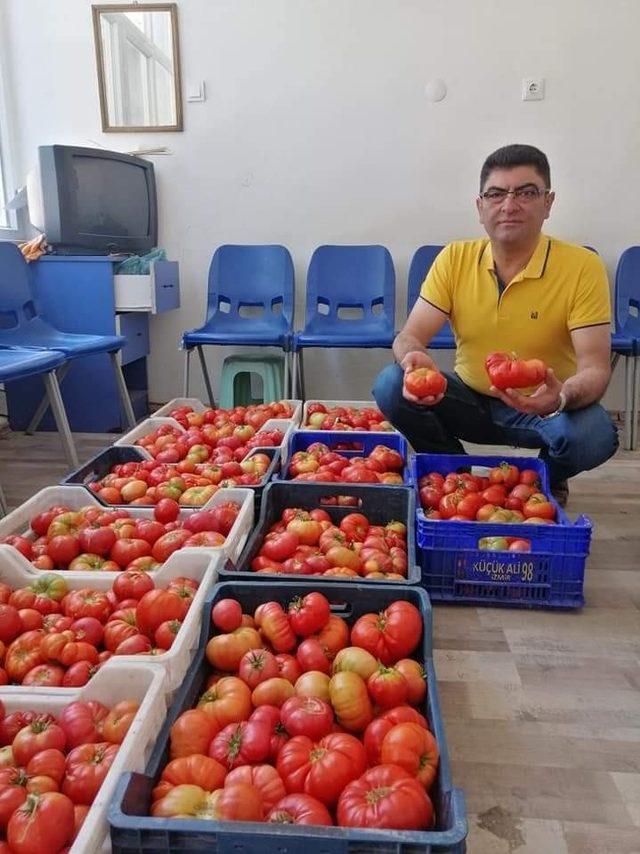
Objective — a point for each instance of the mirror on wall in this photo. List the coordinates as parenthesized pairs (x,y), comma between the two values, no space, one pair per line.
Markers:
(138,67)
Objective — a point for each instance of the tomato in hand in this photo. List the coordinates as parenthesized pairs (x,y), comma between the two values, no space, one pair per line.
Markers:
(506,370)
(425,382)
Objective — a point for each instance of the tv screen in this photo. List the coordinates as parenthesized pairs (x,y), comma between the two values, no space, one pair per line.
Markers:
(97,201)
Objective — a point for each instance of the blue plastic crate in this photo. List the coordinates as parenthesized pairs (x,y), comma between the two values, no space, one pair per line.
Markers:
(301,439)
(379,506)
(100,465)
(133,831)
(454,569)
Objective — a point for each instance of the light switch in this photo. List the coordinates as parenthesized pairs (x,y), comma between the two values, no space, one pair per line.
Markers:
(196,91)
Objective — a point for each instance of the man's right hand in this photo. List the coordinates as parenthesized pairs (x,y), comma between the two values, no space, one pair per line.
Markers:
(419,359)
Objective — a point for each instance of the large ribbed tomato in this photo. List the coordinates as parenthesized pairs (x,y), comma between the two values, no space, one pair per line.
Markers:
(321,769)
(390,635)
(387,797)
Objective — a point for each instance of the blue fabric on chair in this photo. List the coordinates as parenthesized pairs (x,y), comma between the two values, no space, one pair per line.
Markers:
(248,277)
(420,265)
(22,326)
(349,277)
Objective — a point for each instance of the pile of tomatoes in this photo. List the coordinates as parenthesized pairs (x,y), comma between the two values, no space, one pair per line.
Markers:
(51,770)
(95,539)
(322,417)
(306,542)
(320,464)
(51,636)
(306,720)
(508,494)
(255,415)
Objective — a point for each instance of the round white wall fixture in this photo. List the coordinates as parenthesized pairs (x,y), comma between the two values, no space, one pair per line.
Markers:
(435,90)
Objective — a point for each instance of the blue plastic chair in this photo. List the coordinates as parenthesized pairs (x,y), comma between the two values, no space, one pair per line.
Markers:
(18,364)
(420,265)
(250,302)
(22,326)
(625,340)
(342,279)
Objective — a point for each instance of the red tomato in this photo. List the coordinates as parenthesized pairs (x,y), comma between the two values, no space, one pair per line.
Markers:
(226,615)
(299,809)
(194,770)
(117,723)
(390,635)
(321,770)
(539,506)
(385,797)
(87,603)
(23,654)
(278,734)
(413,748)
(128,549)
(45,676)
(10,623)
(97,541)
(288,667)
(274,625)
(416,680)
(192,733)
(43,823)
(309,614)
(265,778)
(49,763)
(308,716)
(131,584)
(226,651)
(87,766)
(169,543)
(425,382)
(40,523)
(62,549)
(256,666)
(507,371)
(312,655)
(156,607)
(40,734)
(82,722)
(166,510)
(506,474)
(387,687)
(242,743)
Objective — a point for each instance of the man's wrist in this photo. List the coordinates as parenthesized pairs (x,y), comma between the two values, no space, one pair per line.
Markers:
(562,405)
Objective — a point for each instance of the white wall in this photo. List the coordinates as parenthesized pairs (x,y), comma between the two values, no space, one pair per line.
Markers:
(316,130)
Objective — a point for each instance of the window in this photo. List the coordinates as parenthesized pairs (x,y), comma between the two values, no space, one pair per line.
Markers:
(8,219)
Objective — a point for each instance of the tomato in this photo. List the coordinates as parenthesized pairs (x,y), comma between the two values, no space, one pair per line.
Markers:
(392,634)
(44,676)
(63,549)
(238,801)
(257,665)
(506,370)
(166,633)
(13,793)
(43,823)
(49,763)
(89,629)
(40,523)
(194,770)
(356,659)
(299,809)
(40,734)
(274,625)
(288,667)
(334,636)
(538,505)
(413,748)
(192,733)
(121,625)
(87,603)
(23,654)
(117,723)
(310,716)
(469,505)
(166,510)
(506,474)
(44,594)
(265,778)
(415,678)
(242,743)
(321,769)
(425,382)
(279,547)
(226,615)
(225,652)
(312,655)
(272,692)
(387,687)
(531,478)
(309,614)
(135,645)
(350,700)
(313,683)
(82,722)
(21,544)
(10,623)
(155,607)
(97,541)
(87,766)
(228,701)
(385,797)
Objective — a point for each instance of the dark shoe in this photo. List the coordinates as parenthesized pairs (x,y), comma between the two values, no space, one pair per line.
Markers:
(560,492)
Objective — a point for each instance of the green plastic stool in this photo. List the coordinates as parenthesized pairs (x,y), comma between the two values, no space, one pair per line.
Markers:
(235,383)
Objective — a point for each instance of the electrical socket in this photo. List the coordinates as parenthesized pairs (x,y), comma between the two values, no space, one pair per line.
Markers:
(533,88)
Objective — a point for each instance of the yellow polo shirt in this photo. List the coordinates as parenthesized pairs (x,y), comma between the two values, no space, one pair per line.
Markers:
(562,288)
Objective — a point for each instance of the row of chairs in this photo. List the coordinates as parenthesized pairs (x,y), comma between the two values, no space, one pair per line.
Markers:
(30,345)
(350,303)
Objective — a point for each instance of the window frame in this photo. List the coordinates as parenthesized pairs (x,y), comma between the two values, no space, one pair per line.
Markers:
(13,230)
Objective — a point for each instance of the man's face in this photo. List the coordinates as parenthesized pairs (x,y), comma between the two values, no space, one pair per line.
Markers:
(514,220)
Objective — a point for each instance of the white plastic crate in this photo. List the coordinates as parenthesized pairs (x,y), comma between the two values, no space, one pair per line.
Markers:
(348,404)
(199,406)
(198,564)
(138,681)
(77,497)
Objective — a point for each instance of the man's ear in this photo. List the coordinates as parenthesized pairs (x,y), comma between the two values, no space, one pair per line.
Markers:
(548,202)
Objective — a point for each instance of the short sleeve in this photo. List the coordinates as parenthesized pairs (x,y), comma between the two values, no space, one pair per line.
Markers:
(592,301)
(437,288)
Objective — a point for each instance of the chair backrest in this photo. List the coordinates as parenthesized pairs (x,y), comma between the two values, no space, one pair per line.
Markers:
(17,306)
(252,277)
(627,292)
(420,265)
(351,285)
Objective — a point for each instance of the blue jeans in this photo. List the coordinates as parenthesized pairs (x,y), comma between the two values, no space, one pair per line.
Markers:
(571,442)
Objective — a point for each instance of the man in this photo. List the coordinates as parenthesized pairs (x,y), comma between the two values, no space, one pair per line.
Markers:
(519,291)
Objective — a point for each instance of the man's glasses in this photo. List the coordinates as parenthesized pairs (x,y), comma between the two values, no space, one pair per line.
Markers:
(526,194)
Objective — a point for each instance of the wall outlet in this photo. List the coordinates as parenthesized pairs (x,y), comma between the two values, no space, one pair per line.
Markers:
(533,88)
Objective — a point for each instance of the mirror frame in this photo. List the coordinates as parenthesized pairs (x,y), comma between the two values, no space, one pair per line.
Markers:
(172,8)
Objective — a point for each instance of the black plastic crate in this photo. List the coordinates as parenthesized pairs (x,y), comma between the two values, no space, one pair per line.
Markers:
(379,506)
(100,465)
(133,831)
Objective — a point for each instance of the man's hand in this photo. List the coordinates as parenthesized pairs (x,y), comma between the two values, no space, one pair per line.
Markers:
(544,400)
(419,359)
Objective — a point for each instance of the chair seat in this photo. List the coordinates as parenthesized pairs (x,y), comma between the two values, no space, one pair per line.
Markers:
(70,343)
(364,339)
(16,364)
(254,336)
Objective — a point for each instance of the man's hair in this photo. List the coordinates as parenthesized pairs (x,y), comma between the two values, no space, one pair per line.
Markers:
(516,155)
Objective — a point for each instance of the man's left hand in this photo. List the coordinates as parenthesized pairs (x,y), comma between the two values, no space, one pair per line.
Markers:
(544,400)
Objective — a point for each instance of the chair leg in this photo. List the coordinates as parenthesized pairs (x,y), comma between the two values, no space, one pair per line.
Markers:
(285,377)
(3,503)
(60,415)
(301,374)
(44,403)
(185,385)
(633,442)
(205,374)
(123,391)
